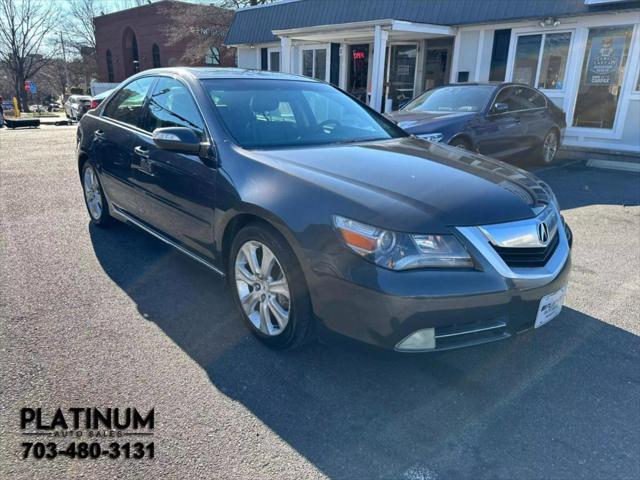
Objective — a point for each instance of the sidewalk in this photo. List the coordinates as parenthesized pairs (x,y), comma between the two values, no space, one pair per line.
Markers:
(606,159)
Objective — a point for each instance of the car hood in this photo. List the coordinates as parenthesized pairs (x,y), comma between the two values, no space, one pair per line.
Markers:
(413,120)
(409,184)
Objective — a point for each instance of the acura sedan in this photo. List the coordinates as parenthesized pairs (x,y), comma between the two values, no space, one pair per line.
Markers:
(501,120)
(323,215)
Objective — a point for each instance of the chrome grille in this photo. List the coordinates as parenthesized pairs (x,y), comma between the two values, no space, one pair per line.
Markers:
(528,257)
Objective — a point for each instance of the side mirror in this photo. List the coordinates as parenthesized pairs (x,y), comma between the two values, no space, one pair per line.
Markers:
(500,108)
(177,139)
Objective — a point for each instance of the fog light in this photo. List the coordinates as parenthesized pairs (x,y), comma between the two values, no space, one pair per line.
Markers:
(424,339)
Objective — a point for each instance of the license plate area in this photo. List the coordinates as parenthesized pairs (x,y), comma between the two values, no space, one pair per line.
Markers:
(550,307)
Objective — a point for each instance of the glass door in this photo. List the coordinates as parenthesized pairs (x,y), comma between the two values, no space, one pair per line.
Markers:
(436,65)
(358,71)
(603,70)
(401,75)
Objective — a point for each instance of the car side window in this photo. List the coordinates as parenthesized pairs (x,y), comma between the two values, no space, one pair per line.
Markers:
(507,96)
(126,105)
(532,99)
(172,105)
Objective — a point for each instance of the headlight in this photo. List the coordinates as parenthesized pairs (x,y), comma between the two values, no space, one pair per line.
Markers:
(402,251)
(432,137)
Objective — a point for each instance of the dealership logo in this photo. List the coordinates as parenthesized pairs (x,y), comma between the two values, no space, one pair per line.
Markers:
(543,233)
(87,420)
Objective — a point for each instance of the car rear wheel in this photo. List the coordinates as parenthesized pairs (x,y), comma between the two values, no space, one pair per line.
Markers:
(94,196)
(269,288)
(549,147)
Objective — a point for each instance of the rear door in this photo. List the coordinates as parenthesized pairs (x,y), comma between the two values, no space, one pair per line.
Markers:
(114,138)
(179,188)
(501,133)
(534,116)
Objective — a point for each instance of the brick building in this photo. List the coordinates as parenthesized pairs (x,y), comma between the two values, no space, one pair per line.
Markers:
(140,38)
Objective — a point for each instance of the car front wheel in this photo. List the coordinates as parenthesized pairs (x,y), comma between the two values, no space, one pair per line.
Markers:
(269,288)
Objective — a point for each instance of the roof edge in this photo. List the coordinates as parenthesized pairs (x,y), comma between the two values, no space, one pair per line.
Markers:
(265,5)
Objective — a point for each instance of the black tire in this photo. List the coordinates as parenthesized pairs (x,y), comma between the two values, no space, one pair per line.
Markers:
(543,155)
(103,220)
(461,143)
(300,327)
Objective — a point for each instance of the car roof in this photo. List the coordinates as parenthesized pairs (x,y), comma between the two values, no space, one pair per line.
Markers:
(487,84)
(104,94)
(202,73)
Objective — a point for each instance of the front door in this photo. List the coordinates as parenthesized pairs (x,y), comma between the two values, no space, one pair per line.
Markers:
(179,188)
(501,133)
(401,75)
(113,143)
(358,71)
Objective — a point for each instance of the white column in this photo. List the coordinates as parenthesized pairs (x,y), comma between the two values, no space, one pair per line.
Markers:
(377,77)
(453,76)
(286,55)
(477,74)
(344,65)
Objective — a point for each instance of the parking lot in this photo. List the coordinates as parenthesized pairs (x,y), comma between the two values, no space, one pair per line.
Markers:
(113,317)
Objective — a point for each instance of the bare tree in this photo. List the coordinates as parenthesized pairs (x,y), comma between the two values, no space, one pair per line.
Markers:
(79,22)
(25,27)
(198,28)
(236,4)
(80,17)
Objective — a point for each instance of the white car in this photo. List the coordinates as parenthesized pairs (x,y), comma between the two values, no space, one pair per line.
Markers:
(76,106)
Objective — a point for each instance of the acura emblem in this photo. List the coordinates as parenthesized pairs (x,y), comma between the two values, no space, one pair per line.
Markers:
(543,233)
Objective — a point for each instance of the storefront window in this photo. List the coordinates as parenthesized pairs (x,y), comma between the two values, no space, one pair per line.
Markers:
(320,64)
(544,67)
(603,69)
(274,61)
(554,60)
(526,64)
(314,63)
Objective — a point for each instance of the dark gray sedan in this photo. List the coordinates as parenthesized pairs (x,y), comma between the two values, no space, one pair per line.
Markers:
(323,215)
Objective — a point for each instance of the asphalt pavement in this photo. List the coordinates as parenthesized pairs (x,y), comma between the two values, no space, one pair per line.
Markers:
(113,318)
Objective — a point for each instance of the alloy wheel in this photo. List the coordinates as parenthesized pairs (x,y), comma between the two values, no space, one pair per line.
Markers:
(550,147)
(92,193)
(262,288)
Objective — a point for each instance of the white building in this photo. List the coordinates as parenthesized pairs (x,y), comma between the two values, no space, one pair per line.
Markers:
(583,54)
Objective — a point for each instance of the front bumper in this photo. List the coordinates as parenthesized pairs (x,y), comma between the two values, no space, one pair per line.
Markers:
(464,307)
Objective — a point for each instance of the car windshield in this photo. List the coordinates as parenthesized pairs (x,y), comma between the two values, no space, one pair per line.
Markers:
(468,98)
(291,113)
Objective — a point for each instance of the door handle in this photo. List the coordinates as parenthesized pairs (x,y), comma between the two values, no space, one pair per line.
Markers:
(141,151)
(99,133)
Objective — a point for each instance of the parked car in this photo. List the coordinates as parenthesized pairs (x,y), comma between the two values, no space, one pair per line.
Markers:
(97,99)
(76,106)
(323,214)
(54,107)
(37,108)
(502,120)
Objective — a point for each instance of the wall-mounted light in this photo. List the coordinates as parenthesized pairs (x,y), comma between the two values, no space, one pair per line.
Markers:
(548,22)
